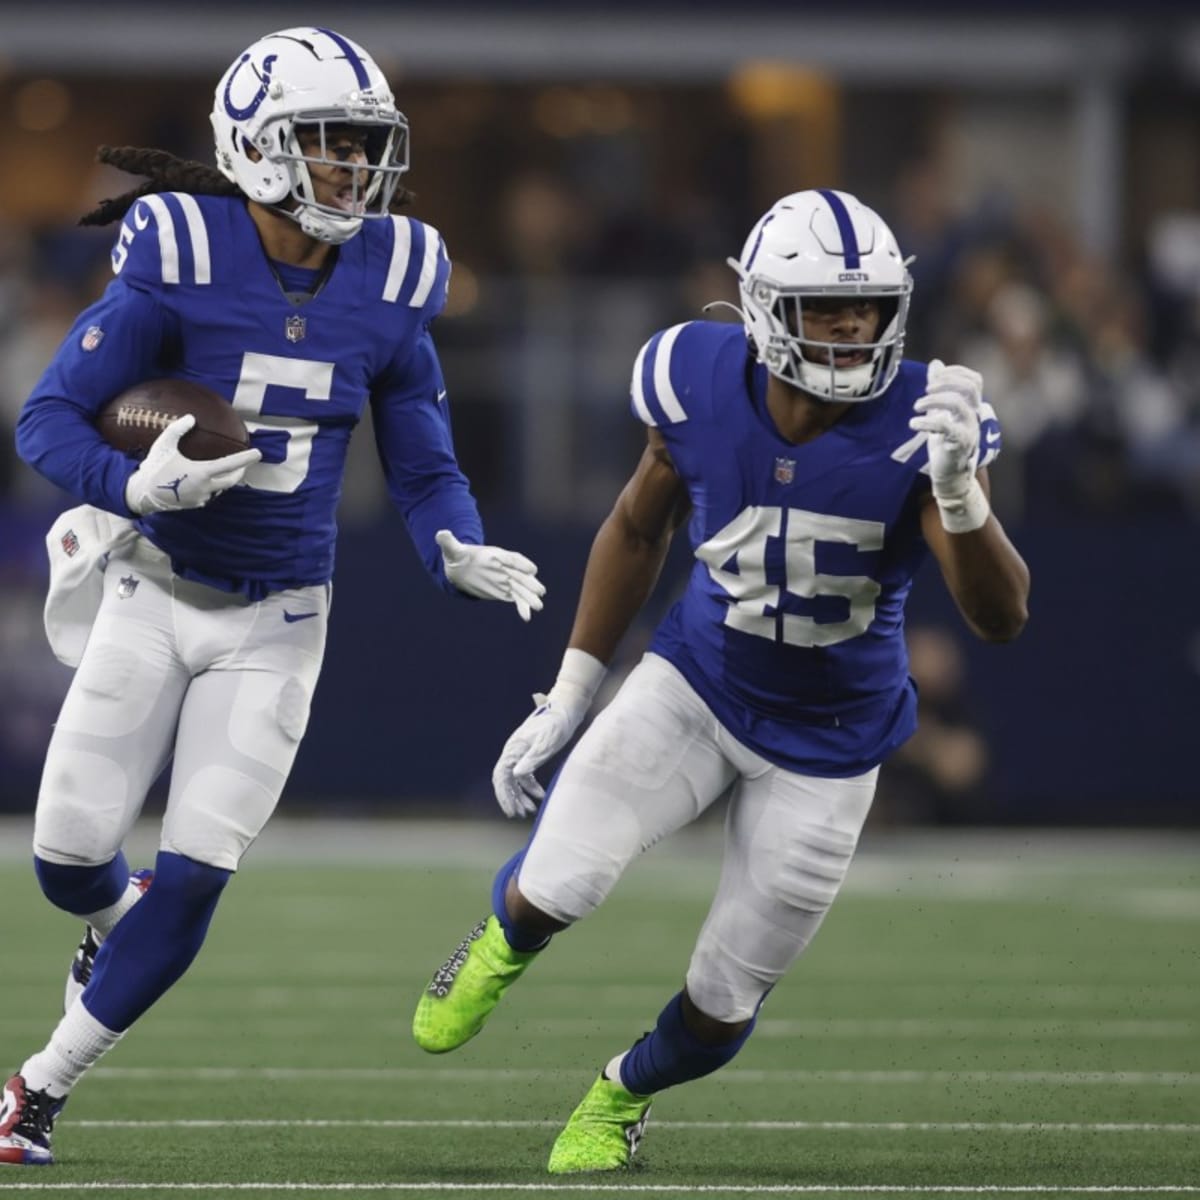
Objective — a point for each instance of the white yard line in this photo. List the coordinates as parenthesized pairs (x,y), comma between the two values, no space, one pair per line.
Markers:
(733,1075)
(916,1028)
(770,1126)
(723,1189)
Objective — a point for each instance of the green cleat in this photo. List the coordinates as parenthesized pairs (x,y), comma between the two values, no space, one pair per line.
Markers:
(603,1132)
(466,988)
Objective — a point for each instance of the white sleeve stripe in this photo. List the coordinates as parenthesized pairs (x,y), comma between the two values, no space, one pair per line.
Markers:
(986,412)
(401,250)
(636,390)
(167,245)
(198,234)
(428,269)
(662,376)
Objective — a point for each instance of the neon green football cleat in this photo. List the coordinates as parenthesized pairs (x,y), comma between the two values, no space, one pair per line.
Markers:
(466,987)
(603,1132)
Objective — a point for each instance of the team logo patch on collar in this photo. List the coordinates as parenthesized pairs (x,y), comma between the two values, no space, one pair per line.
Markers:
(295,328)
(785,470)
(92,337)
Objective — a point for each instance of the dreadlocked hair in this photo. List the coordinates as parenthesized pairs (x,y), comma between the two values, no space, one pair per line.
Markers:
(166,173)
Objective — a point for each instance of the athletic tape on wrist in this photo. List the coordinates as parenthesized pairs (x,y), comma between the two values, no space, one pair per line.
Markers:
(582,672)
(965,513)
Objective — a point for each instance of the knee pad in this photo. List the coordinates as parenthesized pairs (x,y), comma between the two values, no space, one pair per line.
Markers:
(725,987)
(83,808)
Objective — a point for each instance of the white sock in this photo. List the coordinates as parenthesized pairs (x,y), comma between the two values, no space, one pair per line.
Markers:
(612,1072)
(74,1046)
(105,921)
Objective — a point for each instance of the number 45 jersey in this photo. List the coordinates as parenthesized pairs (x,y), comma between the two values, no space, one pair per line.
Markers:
(791,628)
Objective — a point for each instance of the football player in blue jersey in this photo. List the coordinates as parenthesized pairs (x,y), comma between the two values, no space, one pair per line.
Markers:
(815,469)
(286,283)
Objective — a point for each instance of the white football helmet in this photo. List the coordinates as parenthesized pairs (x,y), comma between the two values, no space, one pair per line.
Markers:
(317,78)
(813,245)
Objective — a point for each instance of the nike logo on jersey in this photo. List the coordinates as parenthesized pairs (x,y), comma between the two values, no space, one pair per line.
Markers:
(289,617)
(441,395)
(993,436)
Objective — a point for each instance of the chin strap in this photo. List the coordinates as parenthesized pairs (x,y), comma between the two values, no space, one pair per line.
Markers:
(325,227)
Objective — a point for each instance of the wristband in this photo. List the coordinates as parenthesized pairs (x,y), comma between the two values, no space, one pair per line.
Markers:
(581,672)
(965,513)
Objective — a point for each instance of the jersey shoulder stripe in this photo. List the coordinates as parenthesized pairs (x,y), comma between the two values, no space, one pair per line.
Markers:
(197,236)
(656,374)
(418,263)
(180,252)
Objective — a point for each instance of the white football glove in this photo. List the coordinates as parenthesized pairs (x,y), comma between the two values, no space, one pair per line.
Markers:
(949,415)
(168,480)
(968,383)
(545,732)
(492,573)
(953,428)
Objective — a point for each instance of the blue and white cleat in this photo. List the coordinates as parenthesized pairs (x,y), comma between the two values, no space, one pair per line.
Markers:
(26,1125)
(85,953)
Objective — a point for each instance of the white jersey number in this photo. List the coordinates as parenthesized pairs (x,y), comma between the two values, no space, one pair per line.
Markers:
(744,540)
(260,372)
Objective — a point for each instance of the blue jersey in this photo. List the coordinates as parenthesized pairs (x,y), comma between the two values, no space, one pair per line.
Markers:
(791,628)
(196,298)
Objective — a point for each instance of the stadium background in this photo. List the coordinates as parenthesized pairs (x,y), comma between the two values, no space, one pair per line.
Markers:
(590,167)
(986,1010)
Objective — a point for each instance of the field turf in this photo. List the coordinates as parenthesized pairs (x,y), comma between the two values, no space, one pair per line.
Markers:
(1010,1014)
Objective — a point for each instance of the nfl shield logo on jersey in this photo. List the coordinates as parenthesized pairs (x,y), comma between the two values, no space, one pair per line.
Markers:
(785,470)
(127,586)
(70,543)
(295,329)
(92,337)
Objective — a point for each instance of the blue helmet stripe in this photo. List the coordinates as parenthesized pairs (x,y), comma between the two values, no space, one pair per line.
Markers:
(360,72)
(845,228)
(758,241)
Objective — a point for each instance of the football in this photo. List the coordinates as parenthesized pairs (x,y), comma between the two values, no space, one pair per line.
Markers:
(131,421)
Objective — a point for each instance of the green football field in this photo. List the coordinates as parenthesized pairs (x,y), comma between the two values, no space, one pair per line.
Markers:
(1011,1014)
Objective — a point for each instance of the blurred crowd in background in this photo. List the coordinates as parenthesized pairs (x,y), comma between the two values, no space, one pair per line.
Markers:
(582,215)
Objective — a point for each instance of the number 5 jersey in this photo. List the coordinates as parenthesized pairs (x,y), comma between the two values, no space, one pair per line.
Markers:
(791,627)
(195,297)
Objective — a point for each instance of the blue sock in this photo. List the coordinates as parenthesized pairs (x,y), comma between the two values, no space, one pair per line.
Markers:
(523,940)
(672,1054)
(82,890)
(155,942)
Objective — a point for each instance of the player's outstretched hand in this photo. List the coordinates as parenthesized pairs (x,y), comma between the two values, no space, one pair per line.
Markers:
(953,428)
(492,573)
(168,479)
(538,738)
(949,414)
(545,732)
(955,378)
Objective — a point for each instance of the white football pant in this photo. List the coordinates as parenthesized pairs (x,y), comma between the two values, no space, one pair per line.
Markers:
(178,668)
(652,762)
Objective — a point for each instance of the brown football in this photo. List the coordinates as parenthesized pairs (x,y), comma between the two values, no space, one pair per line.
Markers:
(132,420)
